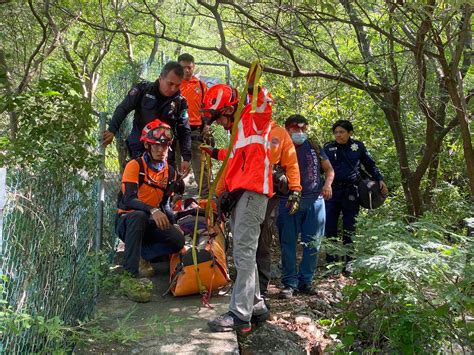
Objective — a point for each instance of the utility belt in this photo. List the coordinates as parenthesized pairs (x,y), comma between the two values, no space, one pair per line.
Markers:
(339,185)
(196,128)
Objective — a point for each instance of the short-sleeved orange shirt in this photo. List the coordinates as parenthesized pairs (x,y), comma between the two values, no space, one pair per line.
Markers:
(154,183)
(193,90)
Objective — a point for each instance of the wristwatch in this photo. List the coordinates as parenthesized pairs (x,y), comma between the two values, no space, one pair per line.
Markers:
(153,211)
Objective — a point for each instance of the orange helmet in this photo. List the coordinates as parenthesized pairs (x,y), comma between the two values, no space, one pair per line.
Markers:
(157,132)
(216,99)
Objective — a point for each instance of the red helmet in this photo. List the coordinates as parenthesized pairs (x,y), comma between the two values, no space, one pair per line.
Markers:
(157,132)
(217,98)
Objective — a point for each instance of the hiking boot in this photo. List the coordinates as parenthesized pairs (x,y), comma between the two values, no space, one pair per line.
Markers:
(347,270)
(145,269)
(117,270)
(137,290)
(229,322)
(286,293)
(260,318)
(307,289)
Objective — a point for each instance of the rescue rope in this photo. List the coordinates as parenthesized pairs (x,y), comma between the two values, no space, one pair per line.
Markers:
(202,290)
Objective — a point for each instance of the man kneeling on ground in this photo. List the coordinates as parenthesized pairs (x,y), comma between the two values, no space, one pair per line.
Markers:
(145,220)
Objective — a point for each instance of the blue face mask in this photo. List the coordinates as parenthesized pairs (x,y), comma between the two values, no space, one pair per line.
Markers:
(299,138)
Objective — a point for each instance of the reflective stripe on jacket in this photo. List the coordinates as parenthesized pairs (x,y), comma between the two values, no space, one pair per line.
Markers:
(249,166)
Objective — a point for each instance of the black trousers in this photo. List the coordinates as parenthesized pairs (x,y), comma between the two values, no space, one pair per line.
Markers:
(344,201)
(143,238)
(264,249)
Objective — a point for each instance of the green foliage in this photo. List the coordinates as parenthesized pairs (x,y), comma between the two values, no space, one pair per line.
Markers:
(414,290)
(57,336)
(56,129)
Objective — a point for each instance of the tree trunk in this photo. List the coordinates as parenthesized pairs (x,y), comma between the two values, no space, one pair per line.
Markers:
(463,117)
(9,91)
(391,107)
(432,180)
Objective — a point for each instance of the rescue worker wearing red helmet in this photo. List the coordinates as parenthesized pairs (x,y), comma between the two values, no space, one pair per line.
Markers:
(145,220)
(248,179)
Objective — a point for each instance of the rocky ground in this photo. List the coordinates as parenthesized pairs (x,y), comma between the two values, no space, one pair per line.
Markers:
(298,325)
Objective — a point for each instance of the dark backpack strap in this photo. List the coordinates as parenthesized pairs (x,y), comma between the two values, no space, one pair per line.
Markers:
(357,172)
(171,175)
(141,177)
(141,173)
(171,180)
(202,93)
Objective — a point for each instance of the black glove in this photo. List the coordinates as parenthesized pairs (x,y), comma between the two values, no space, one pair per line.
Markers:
(227,201)
(280,181)
(293,202)
(179,186)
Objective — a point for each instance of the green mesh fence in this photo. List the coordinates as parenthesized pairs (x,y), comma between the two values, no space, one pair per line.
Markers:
(48,256)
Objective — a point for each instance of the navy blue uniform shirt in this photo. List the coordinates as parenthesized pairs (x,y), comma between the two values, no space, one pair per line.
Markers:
(148,103)
(347,158)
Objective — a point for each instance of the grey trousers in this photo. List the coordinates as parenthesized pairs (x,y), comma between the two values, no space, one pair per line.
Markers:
(196,141)
(264,250)
(246,219)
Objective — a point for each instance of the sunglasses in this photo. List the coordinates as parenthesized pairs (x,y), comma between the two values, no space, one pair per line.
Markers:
(211,115)
(297,125)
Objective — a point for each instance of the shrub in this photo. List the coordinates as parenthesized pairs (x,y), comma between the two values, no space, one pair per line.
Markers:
(414,289)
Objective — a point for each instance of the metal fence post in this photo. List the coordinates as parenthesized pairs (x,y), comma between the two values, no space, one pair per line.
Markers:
(3,197)
(100,207)
(101,200)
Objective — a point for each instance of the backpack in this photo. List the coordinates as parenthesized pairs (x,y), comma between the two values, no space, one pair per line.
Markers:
(141,181)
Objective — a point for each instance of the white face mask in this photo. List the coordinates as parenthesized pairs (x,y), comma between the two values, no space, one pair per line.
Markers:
(299,137)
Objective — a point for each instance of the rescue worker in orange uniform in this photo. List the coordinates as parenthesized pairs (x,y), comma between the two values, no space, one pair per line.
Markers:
(193,91)
(248,185)
(145,220)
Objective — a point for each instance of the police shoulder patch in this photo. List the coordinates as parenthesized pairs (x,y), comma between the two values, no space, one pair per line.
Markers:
(133,91)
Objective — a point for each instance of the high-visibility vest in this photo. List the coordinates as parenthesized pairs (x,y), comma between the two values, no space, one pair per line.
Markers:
(249,166)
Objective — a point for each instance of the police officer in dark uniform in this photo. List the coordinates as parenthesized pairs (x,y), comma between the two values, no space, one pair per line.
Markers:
(346,156)
(161,99)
